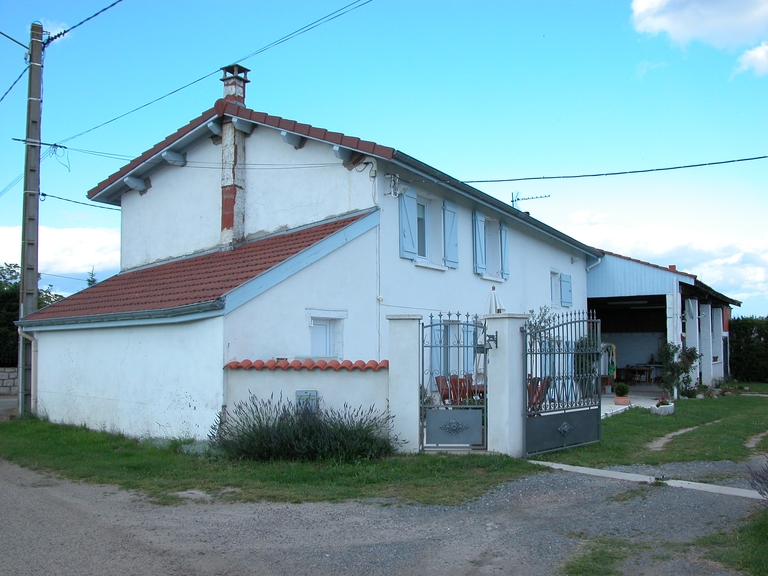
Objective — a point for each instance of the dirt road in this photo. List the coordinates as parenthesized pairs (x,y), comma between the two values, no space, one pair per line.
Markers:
(528,527)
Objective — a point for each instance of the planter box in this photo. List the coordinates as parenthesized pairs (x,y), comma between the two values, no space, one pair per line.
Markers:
(621,400)
(663,410)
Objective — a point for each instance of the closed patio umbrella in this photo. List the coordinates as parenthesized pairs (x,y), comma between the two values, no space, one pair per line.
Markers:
(493,305)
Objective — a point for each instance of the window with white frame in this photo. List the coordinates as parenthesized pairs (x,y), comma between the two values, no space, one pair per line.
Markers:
(490,246)
(326,333)
(425,236)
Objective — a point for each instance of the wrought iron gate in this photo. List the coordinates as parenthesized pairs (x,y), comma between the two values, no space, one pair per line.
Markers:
(453,383)
(562,359)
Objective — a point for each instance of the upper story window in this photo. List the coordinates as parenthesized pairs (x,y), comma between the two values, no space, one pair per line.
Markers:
(560,288)
(429,230)
(490,246)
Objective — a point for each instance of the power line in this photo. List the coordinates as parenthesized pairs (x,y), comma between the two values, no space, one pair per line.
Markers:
(14,40)
(616,173)
(319,22)
(63,32)
(43,196)
(67,277)
(14,83)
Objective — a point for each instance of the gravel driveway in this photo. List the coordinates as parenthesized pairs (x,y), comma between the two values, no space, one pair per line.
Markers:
(527,527)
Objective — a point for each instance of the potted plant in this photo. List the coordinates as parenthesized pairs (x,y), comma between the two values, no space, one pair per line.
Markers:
(663,407)
(622,391)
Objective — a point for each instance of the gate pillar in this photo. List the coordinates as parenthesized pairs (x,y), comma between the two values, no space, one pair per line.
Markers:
(404,377)
(506,388)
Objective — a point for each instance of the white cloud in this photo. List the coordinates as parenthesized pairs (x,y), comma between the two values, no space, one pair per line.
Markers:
(66,250)
(644,67)
(53,27)
(756,59)
(721,23)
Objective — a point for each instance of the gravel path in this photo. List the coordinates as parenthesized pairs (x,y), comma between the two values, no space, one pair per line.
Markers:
(526,527)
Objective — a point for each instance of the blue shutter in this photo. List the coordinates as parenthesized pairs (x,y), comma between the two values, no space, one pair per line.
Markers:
(566,296)
(408,232)
(450,234)
(503,233)
(478,234)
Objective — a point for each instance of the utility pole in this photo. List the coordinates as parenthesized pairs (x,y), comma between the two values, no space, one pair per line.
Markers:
(29,226)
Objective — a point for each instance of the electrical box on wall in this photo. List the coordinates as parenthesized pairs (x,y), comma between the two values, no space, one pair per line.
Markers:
(306,399)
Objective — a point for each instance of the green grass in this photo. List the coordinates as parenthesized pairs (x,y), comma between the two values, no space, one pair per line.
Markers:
(746,549)
(624,436)
(600,558)
(100,457)
(754,388)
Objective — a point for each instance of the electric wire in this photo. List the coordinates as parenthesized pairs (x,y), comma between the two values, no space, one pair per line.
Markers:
(319,22)
(14,40)
(14,83)
(63,32)
(60,276)
(624,172)
(43,196)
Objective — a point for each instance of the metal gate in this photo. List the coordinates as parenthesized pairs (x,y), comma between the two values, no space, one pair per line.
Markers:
(453,383)
(562,359)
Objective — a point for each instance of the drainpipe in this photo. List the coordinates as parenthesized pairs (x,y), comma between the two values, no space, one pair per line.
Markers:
(593,265)
(33,383)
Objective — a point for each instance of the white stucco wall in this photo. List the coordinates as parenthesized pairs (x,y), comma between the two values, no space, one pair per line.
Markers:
(287,188)
(159,381)
(180,213)
(407,287)
(353,387)
(276,325)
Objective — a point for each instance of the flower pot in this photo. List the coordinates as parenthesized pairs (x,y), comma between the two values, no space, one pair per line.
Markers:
(621,400)
(665,410)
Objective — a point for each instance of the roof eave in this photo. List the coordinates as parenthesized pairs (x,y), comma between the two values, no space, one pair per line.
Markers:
(110,191)
(443,179)
(136,316)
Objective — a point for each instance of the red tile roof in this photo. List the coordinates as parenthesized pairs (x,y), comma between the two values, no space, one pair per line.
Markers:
(309,365)
(189,281)
(223,108)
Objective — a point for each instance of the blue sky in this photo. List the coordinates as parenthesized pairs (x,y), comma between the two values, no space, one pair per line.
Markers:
(481,90)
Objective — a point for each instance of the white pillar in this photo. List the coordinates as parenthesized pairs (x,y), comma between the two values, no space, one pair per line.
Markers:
(692,330)
(706,344)
(717,342)
(505,394)
(674,320)
(404,381)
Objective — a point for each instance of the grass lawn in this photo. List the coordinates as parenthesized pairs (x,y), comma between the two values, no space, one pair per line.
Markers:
(723,425)
(160,471)
(99,457)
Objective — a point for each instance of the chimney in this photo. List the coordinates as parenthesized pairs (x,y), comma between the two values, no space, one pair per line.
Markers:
(235,78)
(673,267)
(233,160)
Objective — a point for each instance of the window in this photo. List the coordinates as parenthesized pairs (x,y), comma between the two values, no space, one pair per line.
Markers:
(326,332)
(560,287)
(490,246)
(423,233)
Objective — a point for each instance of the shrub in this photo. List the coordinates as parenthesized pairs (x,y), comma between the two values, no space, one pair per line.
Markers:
(749,348)
(676,363)
(265,430)
(759,481)
(621,389)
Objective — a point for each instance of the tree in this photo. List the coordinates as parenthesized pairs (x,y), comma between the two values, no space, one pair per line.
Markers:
(9,311)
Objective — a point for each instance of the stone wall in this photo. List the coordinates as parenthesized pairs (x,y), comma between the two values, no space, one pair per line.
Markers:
(9,381)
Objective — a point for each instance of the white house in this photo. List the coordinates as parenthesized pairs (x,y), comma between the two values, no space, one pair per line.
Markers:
(642,305)
(252,241)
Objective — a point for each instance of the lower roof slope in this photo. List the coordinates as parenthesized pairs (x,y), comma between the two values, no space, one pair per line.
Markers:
(195,280)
